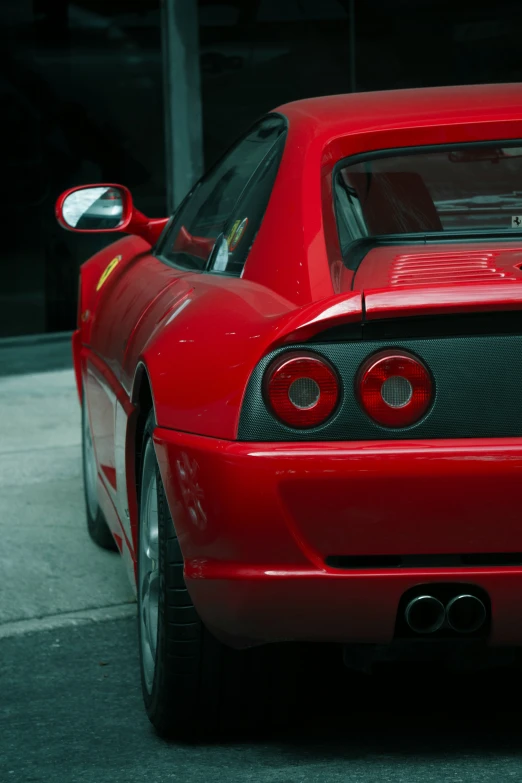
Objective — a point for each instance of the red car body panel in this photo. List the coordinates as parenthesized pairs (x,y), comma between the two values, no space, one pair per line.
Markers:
(399,303)
(256,570)
(257,520)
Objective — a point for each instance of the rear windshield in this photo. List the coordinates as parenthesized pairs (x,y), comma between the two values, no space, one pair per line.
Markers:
(468,189)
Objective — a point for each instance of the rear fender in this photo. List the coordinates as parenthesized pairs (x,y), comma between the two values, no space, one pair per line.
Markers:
(200,360)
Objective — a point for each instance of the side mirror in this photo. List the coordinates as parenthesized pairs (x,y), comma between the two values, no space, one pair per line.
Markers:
(95,208)
(105,208)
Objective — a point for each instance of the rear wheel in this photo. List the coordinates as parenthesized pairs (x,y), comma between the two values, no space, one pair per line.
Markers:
(192,684)
(96,523)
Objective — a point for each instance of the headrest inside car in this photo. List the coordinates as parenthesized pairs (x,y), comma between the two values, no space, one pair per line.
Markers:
(396,202)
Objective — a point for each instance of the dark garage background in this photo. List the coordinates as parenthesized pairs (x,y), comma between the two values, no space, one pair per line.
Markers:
(83,100)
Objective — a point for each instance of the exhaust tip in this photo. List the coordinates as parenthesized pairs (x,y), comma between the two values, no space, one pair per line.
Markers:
(466,613)
(425,614)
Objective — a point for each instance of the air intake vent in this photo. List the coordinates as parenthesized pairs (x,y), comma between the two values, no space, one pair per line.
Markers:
(420,269)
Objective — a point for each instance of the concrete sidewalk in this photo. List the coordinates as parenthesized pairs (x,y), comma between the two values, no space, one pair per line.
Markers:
(50,571)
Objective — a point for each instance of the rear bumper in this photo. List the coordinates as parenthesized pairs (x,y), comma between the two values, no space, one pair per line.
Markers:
(257,521)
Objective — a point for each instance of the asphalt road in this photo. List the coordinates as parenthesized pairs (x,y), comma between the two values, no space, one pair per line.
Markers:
(70,702)
(71,711)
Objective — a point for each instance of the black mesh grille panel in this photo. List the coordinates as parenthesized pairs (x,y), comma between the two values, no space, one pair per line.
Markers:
(478,385)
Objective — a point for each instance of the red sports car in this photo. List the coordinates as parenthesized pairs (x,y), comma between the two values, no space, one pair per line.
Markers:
(300,393)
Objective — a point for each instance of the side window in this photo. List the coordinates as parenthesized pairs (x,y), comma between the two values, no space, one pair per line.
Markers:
(248,213)
(240,183)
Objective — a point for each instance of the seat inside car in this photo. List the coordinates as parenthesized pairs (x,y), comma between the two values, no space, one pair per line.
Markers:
(396,202)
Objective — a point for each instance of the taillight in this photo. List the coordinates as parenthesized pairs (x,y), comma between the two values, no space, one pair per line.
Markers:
(394,388)
(302,390)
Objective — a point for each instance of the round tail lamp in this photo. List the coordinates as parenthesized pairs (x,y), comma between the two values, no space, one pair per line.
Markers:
(394,388)
(301,390)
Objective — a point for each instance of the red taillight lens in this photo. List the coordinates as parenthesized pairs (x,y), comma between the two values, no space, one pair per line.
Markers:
(301,389)
(394,388)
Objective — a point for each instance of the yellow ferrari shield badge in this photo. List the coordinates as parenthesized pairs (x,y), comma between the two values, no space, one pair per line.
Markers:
(108,269)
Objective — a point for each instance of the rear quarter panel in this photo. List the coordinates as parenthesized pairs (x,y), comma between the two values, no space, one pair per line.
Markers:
(202,353)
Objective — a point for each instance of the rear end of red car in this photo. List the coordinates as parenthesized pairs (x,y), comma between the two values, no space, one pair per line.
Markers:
(373,494)
(405,495)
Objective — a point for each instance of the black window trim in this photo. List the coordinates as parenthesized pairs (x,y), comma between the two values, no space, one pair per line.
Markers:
(157,250)
(359,248)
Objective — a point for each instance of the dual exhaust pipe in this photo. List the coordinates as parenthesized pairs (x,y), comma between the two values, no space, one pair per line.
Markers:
(464,613)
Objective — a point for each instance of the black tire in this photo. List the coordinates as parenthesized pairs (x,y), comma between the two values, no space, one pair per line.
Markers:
(97,525)
(200,686)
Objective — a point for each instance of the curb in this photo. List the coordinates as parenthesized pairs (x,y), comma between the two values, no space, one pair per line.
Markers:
(35,339)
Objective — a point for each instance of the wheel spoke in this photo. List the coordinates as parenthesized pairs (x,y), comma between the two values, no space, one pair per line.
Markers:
(145,547)
(151,529)
(153,521)
(152,548)
(145,595)
(153,611)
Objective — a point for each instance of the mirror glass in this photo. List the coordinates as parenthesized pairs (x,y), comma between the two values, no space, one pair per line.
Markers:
(94,208)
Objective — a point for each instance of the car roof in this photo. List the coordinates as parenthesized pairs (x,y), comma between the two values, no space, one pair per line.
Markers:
(431,106)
